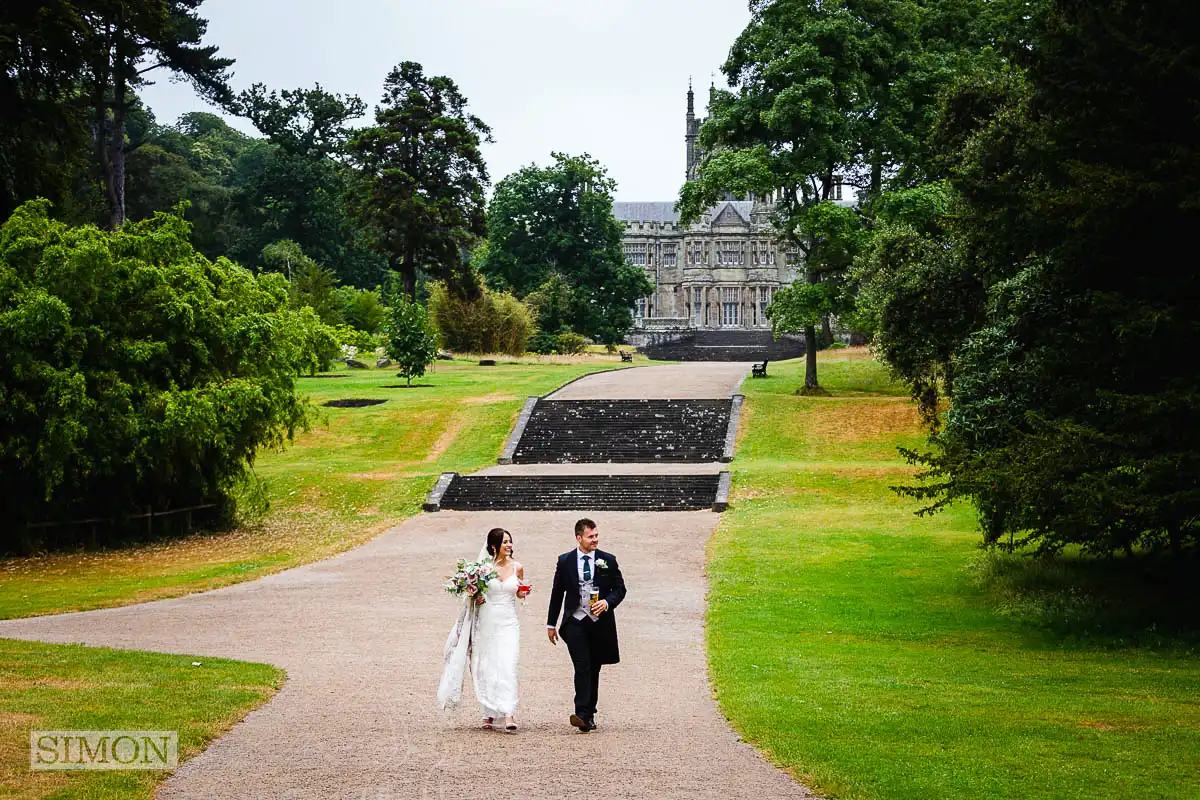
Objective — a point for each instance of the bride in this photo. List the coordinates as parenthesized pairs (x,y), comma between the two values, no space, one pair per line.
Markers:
(488,635)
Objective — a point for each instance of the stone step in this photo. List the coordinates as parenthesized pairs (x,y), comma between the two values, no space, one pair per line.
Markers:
(727,346)
(580,492)
(623,431)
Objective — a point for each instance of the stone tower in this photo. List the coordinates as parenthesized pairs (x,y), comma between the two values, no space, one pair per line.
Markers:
(692,135)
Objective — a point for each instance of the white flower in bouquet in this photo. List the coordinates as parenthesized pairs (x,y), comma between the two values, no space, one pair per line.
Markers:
(471,578)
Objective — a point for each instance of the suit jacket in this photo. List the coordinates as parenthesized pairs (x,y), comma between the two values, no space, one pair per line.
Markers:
(564,599)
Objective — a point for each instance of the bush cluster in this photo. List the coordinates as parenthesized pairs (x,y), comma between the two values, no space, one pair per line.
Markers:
(566,343)
(136,372)
(496,322)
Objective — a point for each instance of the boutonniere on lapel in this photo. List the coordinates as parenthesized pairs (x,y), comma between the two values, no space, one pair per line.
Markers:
(601,563)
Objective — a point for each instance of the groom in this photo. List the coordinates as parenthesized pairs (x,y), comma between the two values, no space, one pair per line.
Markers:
(588,628)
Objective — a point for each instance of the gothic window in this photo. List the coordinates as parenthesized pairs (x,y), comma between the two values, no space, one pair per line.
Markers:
(730,254)
(765,294)
(729,305)
(698,306)
(641,308)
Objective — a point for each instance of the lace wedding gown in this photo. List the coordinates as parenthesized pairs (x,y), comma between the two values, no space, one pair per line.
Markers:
(495,649)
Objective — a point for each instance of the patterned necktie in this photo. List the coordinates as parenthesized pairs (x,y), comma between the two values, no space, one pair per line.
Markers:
(587,568)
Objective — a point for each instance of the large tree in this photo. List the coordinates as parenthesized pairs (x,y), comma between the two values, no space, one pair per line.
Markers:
(788,128)
(1076,401)
(44,140)
(125,43)
(195,160)
(552,234)
(420,179)
(827,91)
(295,188)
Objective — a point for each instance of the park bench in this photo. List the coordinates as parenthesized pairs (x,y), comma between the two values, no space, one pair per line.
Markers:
(626,357)
(759,370)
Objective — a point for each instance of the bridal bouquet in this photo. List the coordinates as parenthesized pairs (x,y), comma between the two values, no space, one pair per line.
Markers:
(471,578)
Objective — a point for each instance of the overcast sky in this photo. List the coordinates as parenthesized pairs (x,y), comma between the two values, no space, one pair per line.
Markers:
(606,77)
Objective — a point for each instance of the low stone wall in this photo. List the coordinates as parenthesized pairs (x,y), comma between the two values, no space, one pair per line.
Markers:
(649,338)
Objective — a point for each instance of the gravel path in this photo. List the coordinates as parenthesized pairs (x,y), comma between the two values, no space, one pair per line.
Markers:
(360,636)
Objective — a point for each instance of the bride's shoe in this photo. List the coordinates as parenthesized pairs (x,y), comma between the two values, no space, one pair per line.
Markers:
(511,727)
(487,723)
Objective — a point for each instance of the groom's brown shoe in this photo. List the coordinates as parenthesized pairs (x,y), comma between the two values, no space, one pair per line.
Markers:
(580,722)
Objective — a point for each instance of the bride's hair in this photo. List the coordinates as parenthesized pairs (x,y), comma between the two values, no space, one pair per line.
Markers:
(495,539)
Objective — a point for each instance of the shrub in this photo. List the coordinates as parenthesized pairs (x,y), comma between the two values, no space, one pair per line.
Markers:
(360,340)
(311,284)
(565,343)
(570,344)
(543,343)
(496,322)
(136,372)
(362,308)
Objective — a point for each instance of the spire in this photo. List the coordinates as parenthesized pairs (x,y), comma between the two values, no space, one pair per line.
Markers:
(692,133)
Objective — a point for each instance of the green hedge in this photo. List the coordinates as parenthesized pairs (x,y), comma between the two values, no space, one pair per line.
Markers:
(136,372)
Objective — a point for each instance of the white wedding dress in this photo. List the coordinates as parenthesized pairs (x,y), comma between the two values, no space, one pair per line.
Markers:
(496,649)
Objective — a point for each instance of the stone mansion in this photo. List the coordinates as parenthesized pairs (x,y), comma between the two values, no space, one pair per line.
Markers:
(719,273)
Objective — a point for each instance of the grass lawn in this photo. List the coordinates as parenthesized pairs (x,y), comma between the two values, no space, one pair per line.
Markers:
(879,655)
(356,473)
(69,687)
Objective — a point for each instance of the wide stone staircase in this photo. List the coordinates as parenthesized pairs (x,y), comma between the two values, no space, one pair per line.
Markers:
(624,432)
(727,346)
(581,492)
(628,432)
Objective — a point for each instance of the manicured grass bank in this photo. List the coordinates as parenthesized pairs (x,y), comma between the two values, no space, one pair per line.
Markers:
(69,687)
(356,473)
(861,647)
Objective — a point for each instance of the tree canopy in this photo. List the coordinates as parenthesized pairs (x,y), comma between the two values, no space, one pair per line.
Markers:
(420,177)
(1039,290)
(136,372)
(552,236)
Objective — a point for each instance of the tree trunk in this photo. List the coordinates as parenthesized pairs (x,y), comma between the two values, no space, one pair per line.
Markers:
(102,68)
(810,358)
(1176,538)
(116,158)
(810,332)
(408,273)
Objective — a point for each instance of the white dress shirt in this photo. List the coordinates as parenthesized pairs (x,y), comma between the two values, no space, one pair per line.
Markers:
(585,587)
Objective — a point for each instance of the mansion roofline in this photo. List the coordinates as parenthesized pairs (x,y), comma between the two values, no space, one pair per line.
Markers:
(720,272)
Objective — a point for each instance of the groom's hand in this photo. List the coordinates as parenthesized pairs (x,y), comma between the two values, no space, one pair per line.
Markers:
(599,607)
(552,635)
